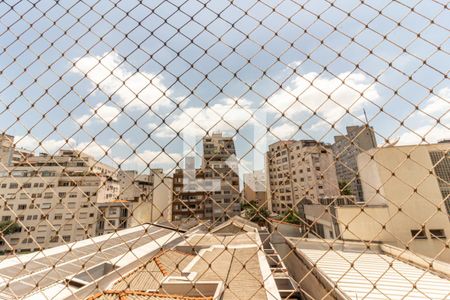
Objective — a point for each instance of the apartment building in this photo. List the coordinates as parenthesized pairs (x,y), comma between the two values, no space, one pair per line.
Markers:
(346,149)
(255,188)
(219,163)
(212,191)
(188,203)
(299,172)
(144,198)
(406,193)
(9,154)
(54,199)
(7,149)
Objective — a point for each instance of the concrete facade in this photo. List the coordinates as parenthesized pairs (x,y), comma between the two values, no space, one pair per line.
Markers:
(299,172)
(211,191)
(255,188)
(346,149)
(404,204)
(54,199)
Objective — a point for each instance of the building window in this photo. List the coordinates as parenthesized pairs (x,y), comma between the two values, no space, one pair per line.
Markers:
(58,217)
(418,234)
(437,233)
(54,239)
(46,205)
(13,185)
(21,206)
(66,238)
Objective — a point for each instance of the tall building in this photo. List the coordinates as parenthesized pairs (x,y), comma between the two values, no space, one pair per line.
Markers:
(212,191)
(346,149)
(188,203)
(255,188)
(71,196)
(54,199)
(219,155)
(299,172)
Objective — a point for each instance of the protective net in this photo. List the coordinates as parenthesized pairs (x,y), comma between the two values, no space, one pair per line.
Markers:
(193,149)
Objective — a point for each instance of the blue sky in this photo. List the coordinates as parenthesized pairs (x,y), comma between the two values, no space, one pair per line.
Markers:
(135,83)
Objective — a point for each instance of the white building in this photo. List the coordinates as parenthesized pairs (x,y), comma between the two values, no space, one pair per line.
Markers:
(54,199)
(71,196)
(299,172)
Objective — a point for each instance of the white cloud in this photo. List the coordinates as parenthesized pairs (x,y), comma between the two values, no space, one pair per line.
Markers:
(284,131)
(50,146)
(423,122)
(145,158)
(329,97)
(101,112)
(195,121)
(113,76)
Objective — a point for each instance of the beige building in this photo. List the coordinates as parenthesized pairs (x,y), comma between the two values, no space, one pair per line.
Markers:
(406,191)
(219,159)
(71,196)
(211,191)
(54,199)
(7,149)
(9,154)
(299,172)
(346,149)
(143,198)
(255,188)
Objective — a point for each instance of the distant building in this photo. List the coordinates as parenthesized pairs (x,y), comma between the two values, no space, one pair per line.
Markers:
(211,191)
(406,189)
(143,198)
(299,172)
(54,199)
(219,163)
(7,149)
(188,203)
(9,154)
(255,188)
(346,149)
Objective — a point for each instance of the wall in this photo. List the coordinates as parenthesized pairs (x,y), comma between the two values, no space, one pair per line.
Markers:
(402,178)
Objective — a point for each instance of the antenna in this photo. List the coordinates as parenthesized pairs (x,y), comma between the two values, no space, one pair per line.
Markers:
(365,116)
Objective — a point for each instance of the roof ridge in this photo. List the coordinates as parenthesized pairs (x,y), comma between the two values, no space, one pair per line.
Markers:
(122,293)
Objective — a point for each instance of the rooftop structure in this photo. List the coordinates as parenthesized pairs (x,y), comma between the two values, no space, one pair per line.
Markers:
(149,262)
(358,271)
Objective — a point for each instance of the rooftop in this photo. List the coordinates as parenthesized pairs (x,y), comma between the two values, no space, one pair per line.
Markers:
(147,262)
(376,272)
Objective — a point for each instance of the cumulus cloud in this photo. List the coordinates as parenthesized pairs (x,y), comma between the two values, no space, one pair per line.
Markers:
(101,112)
(196,121)
(49,145)
(141,160)
(284,131)
(423,123)
(113,76)
(329,97)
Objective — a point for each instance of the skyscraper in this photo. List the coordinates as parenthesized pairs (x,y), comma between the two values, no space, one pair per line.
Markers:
(346,149)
